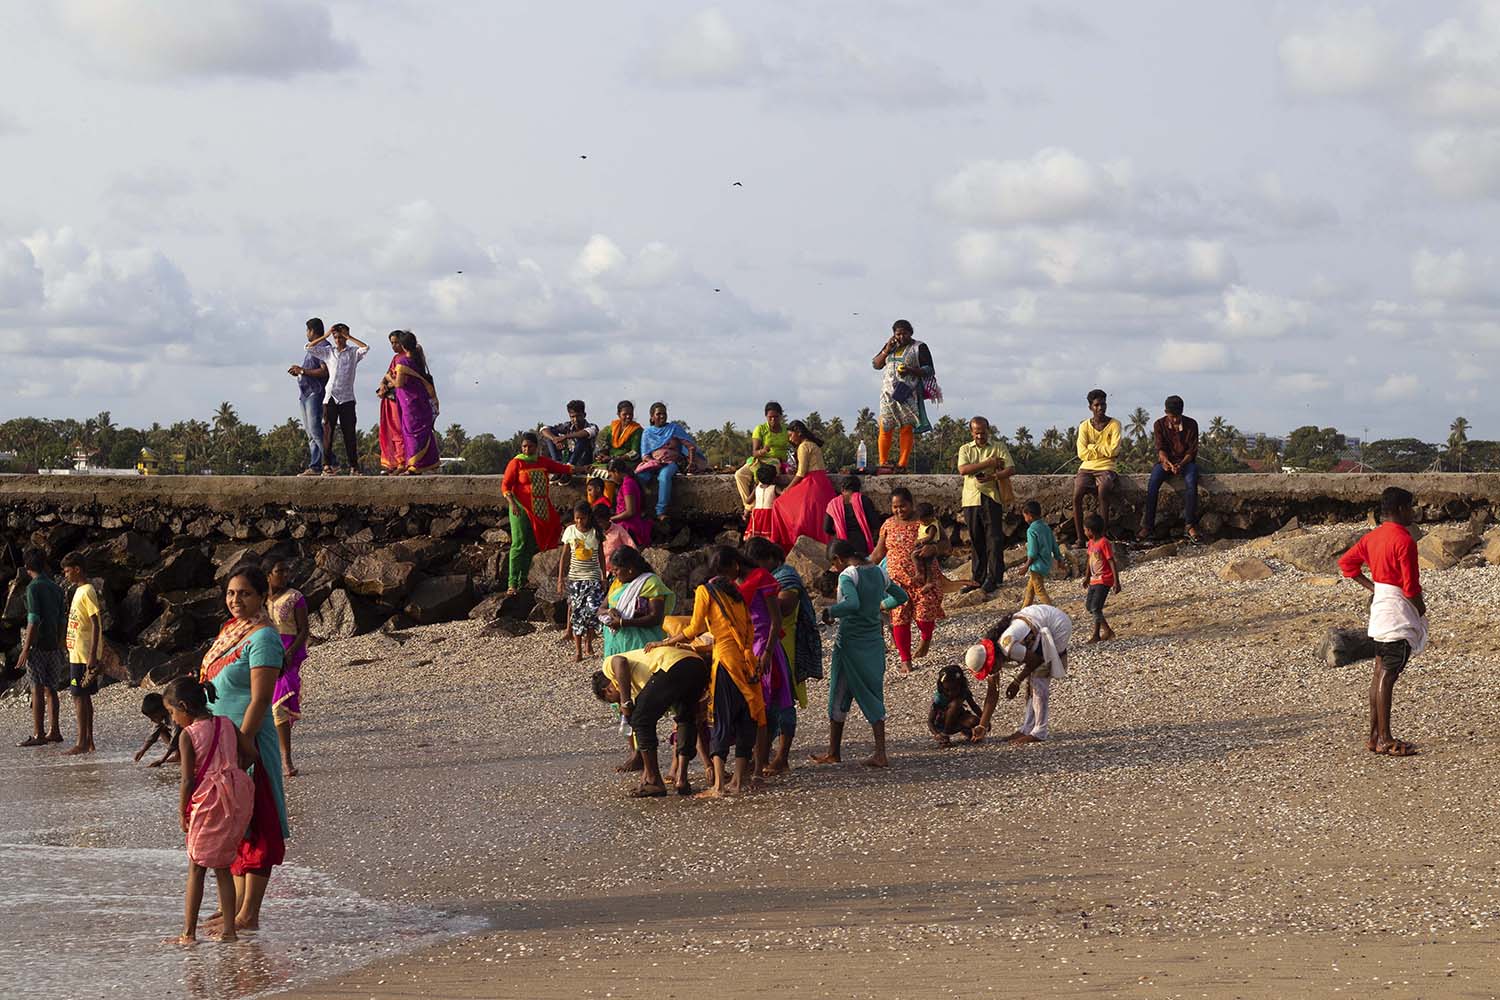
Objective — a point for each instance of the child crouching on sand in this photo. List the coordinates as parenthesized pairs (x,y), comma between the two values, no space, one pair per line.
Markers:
(153,708)
(215,799)
(954,710)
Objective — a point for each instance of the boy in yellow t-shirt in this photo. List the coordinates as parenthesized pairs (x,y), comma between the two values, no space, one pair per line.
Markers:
(85,641)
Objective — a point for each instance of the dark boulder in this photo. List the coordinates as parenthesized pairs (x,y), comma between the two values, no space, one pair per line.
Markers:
(185,662)
(183,569)
(141,661)
(344,615)
(1342,646)
(381,575)
(441,599)
(425,553)
(171,631)
(137,609)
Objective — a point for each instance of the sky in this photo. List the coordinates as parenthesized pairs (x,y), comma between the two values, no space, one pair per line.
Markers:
(1283,212)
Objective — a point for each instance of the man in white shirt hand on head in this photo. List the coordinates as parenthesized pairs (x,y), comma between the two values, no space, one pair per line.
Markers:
(342,358)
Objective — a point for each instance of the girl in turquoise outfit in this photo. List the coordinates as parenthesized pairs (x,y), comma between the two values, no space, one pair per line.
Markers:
(635,606)
(857,670)
(243,664)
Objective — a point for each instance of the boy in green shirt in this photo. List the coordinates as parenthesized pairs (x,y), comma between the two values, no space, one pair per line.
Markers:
(1041,553)
(42,656)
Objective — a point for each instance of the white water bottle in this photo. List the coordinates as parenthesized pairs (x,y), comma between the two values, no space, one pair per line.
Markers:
(861,457)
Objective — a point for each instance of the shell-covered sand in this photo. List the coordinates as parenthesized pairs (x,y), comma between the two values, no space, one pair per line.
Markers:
(1206,820)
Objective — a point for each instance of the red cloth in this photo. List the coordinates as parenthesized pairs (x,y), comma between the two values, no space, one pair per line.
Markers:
(526,481)
(1101,563)
(799,511)
(758,580)
(263,846)
(1391,554)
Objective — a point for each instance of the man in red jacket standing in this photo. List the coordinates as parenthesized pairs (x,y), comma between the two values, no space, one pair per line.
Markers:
(1398,614)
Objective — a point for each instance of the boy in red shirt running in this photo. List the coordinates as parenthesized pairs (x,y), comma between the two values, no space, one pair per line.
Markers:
(1104,576)
(1398,614)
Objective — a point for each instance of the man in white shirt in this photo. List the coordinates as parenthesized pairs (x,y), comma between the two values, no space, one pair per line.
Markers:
(1037,638)
(342,358)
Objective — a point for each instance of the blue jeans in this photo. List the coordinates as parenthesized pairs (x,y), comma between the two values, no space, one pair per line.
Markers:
(663,476)
(312,423)
(576,452)
(1160,475)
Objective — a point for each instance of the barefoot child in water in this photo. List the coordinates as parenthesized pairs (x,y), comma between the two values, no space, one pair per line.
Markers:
(288,611)
(153,708)
(1104,576)
(215,799)
(954,710)
(857,669)
(1398,611)
(582,564)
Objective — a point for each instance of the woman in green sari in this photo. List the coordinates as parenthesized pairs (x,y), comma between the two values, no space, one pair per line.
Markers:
(637,603)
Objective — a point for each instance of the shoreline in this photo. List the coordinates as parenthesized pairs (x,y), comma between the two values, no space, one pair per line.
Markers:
(1206,804)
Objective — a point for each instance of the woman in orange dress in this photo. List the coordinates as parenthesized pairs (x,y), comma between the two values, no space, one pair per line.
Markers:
(736,705)
(897,545)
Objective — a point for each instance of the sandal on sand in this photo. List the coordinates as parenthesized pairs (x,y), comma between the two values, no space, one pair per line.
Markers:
(1398,748)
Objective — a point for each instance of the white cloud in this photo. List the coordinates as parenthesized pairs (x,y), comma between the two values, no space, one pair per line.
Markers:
(1348,54)
(704,50)
(1398,387)
(1461,163)
(1192,356)
(1289,210)
(1459,66)
(9,124)
(1095,260)
(1251,314)
(1300,383)
(425,241)
(20,277)
(791,68)
(1053,185)
(164,39)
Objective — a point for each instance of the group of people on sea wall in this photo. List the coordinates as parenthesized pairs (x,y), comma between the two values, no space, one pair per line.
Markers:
(228,725)
(327,397)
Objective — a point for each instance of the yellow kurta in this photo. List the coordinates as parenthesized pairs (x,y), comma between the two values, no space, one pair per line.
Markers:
(729,621)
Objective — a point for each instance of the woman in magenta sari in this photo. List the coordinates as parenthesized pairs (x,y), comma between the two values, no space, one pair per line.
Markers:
(392,446)
(418,400)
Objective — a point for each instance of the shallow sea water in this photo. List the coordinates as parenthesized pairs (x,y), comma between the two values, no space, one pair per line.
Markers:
(91,881)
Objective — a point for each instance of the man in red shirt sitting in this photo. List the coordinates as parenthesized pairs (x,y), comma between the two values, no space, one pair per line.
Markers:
(1398,615)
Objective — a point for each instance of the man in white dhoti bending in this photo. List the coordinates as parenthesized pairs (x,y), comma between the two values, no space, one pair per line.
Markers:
(1037,638)
(1398,614)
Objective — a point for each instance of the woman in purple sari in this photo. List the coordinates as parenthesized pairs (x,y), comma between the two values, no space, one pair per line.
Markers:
(418,400)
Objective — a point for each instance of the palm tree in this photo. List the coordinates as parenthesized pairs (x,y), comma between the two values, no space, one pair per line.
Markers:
(1052,439)
(1023,436)
(1458,440)
(1216,428)
(1139,421)
(225,418)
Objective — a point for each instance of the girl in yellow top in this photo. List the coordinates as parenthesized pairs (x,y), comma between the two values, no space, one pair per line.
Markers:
(736,706)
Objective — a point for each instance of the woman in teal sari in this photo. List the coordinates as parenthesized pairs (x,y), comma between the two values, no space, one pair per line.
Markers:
(242,665)
(856,672)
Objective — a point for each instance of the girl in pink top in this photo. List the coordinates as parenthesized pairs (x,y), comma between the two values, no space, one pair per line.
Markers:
(215,798)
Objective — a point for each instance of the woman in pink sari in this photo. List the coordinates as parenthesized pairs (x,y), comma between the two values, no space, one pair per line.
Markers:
(418,401)
(392,445)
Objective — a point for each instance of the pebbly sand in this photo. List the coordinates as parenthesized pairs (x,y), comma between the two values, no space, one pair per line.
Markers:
(1205,822)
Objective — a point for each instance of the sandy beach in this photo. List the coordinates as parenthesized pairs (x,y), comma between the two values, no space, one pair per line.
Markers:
(1206,821)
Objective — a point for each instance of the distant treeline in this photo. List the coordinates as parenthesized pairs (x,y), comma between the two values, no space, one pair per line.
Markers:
(225,445)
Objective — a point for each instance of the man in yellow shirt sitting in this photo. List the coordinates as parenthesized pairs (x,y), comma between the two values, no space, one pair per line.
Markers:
(1098,449)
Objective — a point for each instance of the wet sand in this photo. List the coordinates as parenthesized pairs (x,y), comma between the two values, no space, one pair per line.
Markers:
(1205,822)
